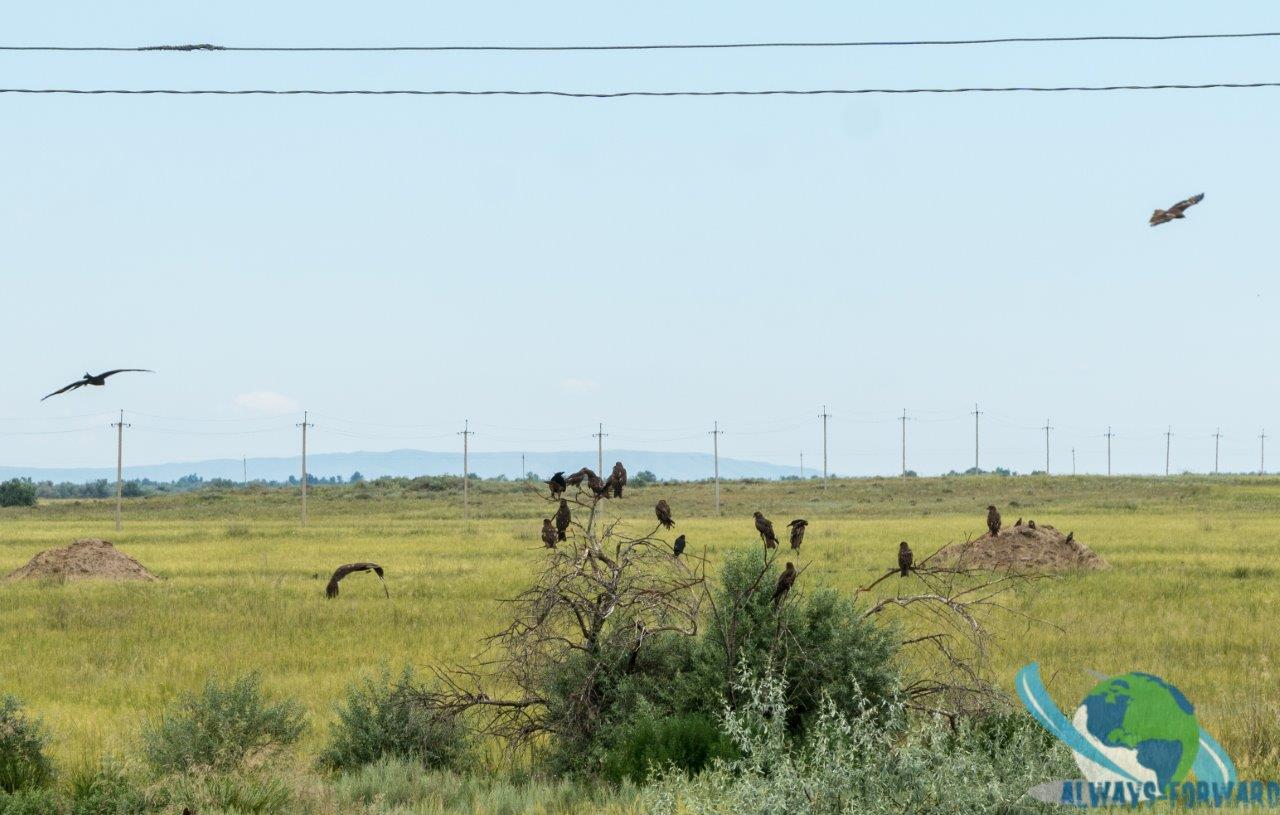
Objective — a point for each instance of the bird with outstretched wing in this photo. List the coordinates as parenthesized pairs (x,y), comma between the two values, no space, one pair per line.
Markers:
(96,380)
(1173,213)
(331,590)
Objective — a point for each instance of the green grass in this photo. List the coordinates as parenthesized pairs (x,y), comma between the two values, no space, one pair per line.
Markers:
(1190,596)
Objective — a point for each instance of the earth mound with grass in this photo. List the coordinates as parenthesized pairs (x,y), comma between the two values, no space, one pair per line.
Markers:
(86,559)
(1021,549)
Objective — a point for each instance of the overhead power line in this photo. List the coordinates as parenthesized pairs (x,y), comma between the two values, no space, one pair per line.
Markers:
(621,94)
(192,47)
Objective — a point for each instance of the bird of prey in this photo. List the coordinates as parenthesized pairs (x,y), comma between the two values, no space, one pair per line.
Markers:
(98,381)
(797,532)
(785,580)
(1173,213)
(1018,522)
(765,527)
(663,510)
(331,590)
(557,484)
(599,487)
(905,558)
(549,536)
(576,479)
(1071,536)
(678,547)
(993,520)
(563,518)
(1031,524)
(618,479)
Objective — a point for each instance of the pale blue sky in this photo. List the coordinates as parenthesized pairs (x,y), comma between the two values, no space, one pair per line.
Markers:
(538,265)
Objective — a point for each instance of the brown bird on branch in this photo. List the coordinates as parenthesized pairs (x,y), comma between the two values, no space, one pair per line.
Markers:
(678,547)
(557,484)
(765,527)
(96,380)
(576,479)
(549,535)
(331,590)
(905,558)
(598,486)
(797,532)
(618,479)
(563,519)
(663,510)
(993,520)
(785,581)
(1175,212)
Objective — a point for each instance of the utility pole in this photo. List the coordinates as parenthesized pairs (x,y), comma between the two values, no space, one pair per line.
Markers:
(1262,461)
(1046,430)
(244,461)
(524,472)
(1109,435)
(802,465)
(1168,435)
(119,426)
(715,450)
(600,434)
(904,442)
(976,414)
(824,416)
(1217,438)
(466,434)
(305,424)
(1073,461)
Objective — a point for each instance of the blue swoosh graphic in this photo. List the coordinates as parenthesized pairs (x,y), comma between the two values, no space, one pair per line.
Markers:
(1212,763)
(1041,707)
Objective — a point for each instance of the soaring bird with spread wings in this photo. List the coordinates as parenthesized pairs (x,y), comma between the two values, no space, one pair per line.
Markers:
(98,380)
(331,590)
(1173,213)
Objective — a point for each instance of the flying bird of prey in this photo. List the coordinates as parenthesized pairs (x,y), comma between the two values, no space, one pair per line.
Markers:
(797,532)
(905,558)
(563,518)
(549,535)
(98,381)
(618,479)
(993,520)
(785,581)
(331,590)
(765,527)
(1173,213)
(663,510)
(678,547)
(557,484)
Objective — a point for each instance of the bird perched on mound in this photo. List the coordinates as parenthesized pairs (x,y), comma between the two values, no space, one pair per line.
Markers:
(765,527)
(905,558)
(677,548)
(557,484)
(663,510)
(1031,524)
(993,520)
(618,479)
(1071,537)
(549,534)
(1018,522)
(1175,212)
(785,581)
(797,532)
(563,519)
(331,590)
(98,381)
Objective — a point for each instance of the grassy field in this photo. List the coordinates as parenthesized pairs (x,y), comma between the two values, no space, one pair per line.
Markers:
(1191,595)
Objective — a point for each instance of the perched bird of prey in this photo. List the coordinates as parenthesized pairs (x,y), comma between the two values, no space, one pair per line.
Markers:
(1031,524)
(618,479)
(576,479)
(1071,536)
(765,527)
(678,547)
(598,486)
(797,532)
(785,581)
(98,381)
(1173,213)
(331,590)
(1018,522)
(905,558)
(993,520)
(563,518)
(663,510)
(557,484)
(549,535)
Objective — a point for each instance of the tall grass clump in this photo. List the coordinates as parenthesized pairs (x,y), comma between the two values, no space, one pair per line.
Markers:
(23,764)
(221,728)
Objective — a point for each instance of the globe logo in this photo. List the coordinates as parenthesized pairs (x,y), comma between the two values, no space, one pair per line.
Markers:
(1135,738)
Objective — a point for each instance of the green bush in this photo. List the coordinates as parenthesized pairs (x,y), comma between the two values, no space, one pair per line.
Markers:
(687,742)
(29,802)
(103,789)
(244,793)
(381,718)
(17,492)
(23,764)
(220,728)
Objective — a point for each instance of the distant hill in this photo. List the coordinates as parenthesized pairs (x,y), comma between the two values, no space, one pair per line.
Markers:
(677,466)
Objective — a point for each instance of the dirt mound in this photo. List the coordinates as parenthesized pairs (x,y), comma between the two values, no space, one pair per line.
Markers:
(86,559)
(1022,549)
